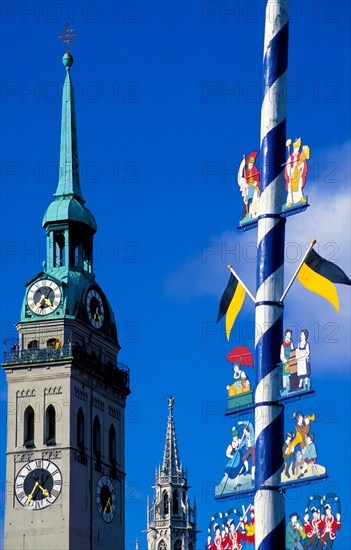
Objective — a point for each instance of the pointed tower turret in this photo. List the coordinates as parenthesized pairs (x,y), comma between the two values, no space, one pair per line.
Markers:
(171,521)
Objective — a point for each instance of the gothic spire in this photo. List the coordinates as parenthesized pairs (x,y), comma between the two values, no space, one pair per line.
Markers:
(171,465)
(69,181)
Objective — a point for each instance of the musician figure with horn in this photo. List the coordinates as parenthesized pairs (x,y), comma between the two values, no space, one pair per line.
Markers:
(249,183)
(302,429)
(295,172)
(294,533)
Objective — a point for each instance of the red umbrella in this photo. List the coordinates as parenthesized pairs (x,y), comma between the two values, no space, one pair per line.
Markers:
(241,355)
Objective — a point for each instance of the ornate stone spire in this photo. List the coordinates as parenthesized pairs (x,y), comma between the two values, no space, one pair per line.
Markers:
(170,518)
(171,465)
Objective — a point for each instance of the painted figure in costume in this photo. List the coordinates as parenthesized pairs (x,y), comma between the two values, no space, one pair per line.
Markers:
(285,349)
(289,455)
(308,456)
(303,361)
(217,543)
(248,443)
(233,452)
(295,533)
(295,172)
(249,183)
(232,541)
(313,529)
(241,384)
(331,524)
(302,429)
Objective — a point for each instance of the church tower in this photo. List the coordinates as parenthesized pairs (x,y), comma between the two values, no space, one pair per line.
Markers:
(171,521)
(66,391)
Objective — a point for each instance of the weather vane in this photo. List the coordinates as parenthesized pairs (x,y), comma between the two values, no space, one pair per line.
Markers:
(67,36)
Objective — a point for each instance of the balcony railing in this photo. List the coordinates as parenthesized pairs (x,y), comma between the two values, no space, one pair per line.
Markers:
(115,372)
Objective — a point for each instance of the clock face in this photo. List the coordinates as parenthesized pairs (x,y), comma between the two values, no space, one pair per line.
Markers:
(38,484)
(106,499)
(95,308)
(44,297)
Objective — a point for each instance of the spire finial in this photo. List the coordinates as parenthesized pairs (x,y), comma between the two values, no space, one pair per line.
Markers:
(67,38)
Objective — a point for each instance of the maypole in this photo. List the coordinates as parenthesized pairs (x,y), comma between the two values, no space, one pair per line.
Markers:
(269,422)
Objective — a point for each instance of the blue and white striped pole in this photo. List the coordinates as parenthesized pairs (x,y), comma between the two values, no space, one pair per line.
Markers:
(269,422)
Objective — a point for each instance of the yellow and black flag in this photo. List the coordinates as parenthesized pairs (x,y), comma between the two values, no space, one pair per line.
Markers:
(231,303)
(319,276)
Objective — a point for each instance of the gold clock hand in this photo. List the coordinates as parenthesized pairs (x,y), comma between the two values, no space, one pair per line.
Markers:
(30,496)
(97,315)
(44,491)
(108,503)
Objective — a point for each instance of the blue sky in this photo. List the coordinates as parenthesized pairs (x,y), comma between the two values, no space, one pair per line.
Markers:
(168,97)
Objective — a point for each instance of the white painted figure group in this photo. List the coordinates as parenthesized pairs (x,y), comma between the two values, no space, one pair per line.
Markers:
(295,362)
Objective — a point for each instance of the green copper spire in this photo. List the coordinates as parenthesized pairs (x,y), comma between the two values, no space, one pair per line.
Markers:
(69,181)
(69,201)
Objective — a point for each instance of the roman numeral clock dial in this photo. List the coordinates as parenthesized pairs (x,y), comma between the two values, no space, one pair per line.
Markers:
(44,297)
(106,499)
(95,308)
(38,484)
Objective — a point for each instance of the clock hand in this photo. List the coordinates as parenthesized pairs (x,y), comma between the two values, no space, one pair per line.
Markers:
(97,315)
(30,496)
(44,491)
(40,301)
(108,503)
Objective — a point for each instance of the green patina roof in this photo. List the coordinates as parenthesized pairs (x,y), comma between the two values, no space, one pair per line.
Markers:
(69,209)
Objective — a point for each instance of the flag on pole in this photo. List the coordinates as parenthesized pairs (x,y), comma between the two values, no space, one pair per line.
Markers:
(319,275)
(231,303)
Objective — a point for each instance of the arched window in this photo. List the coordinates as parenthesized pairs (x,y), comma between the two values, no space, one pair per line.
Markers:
(28,435)
(59,249)
(54,343)
(178,545)
(96,437)
(175,502)
(162,545)
(165,502)
(50,425)
(112,445)
(80,429)
(191,546)
(33,344)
